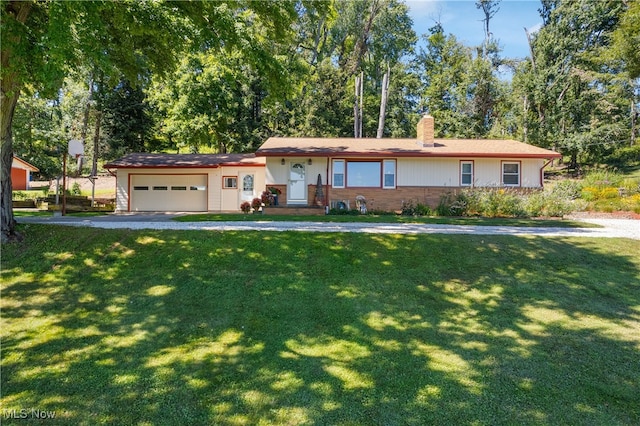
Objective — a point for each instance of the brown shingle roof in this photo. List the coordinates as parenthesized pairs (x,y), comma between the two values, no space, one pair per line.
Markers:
(351,147)
(184,160)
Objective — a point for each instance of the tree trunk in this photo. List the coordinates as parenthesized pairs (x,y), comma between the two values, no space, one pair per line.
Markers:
(10,87)
(383,103)
(634,115)
(356,110)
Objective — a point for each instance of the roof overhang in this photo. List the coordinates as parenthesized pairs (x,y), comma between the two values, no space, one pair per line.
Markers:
(389,154)
(24,165)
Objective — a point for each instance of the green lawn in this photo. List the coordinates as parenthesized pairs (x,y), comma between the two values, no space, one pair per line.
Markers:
(233,328)
(478,221)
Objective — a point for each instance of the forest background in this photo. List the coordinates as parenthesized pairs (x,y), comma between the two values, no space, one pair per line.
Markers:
(224,76)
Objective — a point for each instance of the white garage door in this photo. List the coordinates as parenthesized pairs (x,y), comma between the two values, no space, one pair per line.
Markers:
(168,193)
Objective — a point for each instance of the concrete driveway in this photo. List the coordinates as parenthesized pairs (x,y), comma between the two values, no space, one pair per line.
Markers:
(610,228)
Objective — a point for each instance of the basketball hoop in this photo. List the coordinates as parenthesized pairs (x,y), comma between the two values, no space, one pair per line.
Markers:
(76,148)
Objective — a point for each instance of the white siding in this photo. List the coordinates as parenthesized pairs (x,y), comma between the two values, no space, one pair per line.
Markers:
(531,173)
(228,199)
(428,172)
(278,174)
(446,171)
(122,190)
(217,198)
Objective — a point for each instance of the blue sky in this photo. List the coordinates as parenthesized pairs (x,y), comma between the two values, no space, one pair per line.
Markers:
(464,20)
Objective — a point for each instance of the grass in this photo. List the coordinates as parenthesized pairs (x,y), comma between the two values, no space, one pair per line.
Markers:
(478,221)
(46,213)
(234,328)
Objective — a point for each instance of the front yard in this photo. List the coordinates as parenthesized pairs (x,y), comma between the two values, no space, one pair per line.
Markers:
(190,327)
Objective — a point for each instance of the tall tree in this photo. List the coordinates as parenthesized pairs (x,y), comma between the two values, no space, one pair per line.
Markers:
(128,123)
(573,97)
(42,40)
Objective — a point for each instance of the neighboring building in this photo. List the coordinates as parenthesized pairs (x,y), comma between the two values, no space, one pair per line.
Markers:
(186,182)
(21,174)
(385,172)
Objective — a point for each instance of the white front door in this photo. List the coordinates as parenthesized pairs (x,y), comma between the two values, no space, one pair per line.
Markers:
(247,187)
(297,193)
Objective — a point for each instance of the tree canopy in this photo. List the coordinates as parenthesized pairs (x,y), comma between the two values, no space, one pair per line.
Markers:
(204,76)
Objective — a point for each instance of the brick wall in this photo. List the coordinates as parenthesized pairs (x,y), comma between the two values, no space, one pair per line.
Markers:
(384,199)
(391,199)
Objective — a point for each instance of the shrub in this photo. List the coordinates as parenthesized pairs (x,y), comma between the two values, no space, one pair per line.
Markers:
(18,196)
(245,207)
(555,205)
(256,203)
(534,204)
(629,155)
(267,198)
(380,213)
(631,186)
(609,193)
(603,178)
(413,208)
(451,205)
(344,212)
(75,189)
(500,202)
(567,188)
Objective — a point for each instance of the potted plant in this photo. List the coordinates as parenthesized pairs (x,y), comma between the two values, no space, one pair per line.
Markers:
(275,192)
(268,198)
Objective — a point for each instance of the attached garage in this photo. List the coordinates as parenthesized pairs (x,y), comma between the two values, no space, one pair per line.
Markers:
(168,192)
(186,182)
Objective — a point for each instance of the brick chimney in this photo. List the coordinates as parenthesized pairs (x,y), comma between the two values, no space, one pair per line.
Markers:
(425,131)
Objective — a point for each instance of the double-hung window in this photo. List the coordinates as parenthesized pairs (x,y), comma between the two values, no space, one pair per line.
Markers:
(389,174)
(511,174)
(338,173)
(466,173)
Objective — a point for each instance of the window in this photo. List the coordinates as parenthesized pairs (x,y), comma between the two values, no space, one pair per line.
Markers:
(198,188)
(511,174)
(178,188)
(247,183)
(389,174)
(229,182)
(362,174)
(338,173)
(140,188)
(160,188)
(466,173)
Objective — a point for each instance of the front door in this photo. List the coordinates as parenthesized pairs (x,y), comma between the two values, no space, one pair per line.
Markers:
(297,193)
(247,187)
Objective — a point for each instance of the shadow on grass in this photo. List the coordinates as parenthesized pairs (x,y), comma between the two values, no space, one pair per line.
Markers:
(243,328)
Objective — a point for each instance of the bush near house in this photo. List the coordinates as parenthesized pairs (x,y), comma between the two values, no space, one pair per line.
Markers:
(501,202)
(603,191)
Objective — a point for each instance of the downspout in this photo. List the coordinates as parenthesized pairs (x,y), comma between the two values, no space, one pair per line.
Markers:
(326,197)
(542,172)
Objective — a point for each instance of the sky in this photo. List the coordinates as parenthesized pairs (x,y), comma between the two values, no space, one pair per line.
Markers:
(464,20)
